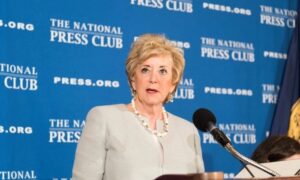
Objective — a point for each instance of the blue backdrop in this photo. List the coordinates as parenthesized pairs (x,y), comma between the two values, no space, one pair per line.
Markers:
(58,59)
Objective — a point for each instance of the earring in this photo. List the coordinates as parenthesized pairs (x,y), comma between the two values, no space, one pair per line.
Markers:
(133,92)
(171,98)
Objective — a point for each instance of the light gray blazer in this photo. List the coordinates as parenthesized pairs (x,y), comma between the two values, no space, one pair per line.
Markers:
(114,145)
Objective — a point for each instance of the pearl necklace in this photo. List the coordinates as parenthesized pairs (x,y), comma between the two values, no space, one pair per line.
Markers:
(146,125)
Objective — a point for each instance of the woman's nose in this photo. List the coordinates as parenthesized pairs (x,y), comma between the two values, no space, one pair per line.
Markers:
(153,77)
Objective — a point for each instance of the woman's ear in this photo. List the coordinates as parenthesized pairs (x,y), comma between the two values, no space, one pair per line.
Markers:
(133,85)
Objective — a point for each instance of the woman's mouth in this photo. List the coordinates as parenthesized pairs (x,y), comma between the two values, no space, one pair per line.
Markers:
(149,90)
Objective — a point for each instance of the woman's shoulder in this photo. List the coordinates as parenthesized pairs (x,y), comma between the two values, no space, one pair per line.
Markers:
(106,108)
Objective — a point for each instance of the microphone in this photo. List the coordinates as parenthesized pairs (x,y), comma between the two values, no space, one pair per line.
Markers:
(205,121)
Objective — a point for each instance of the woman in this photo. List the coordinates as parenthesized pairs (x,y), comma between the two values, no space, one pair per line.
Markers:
(277,148)
(140,140)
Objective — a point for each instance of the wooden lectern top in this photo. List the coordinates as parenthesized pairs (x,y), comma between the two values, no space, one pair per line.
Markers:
(202,176)
(217,176)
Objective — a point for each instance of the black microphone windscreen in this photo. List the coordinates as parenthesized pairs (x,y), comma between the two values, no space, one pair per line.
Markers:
(203,119)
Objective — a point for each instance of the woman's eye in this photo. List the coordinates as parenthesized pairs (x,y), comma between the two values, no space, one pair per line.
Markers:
(163,71)
(144,70)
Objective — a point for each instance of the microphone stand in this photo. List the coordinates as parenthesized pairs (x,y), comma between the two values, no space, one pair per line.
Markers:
(246,161)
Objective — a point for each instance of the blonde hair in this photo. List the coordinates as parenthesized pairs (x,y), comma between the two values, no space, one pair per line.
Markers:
(150,45)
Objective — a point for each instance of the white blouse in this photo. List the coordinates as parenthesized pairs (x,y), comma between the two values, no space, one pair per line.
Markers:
(114,145)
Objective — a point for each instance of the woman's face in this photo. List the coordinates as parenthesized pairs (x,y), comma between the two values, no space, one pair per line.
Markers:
(293,157)
(153,80)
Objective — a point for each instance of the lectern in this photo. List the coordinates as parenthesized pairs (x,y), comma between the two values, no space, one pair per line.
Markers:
(201,176)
